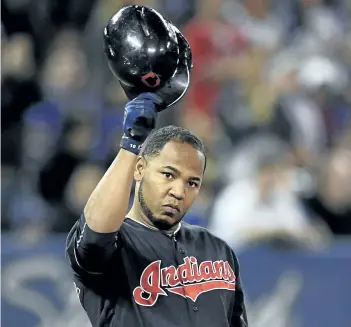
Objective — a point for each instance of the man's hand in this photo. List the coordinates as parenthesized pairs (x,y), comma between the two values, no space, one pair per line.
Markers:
(140,117)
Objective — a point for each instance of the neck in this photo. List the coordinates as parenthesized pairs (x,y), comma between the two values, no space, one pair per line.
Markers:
(136,213)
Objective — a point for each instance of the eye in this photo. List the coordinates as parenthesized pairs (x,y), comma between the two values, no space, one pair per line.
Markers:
(193,184)
(167,175)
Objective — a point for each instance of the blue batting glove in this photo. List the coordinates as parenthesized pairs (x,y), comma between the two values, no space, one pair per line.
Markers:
(140,116)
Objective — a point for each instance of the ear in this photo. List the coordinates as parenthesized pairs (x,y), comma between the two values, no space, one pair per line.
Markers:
(139,169)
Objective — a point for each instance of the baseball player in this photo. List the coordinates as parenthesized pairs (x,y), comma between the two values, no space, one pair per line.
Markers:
(144,266)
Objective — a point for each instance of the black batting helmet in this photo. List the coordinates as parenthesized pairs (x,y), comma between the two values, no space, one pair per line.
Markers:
(147,53)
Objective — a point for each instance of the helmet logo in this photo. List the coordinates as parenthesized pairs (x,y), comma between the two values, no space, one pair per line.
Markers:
(151,79)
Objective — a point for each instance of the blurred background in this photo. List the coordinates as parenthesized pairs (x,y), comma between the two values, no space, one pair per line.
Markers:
(271,98)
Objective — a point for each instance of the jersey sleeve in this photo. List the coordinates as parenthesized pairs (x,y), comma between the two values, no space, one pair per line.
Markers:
(239,316)
(89,251)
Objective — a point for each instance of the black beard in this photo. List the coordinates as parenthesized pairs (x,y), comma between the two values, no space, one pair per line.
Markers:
(158,223)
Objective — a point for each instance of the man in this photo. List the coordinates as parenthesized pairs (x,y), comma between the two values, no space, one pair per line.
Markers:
(145,267)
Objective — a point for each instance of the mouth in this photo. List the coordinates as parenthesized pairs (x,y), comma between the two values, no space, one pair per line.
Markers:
(171,209)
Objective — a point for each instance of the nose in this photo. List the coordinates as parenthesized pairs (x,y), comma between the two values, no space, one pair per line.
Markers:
(178,190)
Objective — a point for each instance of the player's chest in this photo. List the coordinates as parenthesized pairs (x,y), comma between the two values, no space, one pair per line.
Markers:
(169,268)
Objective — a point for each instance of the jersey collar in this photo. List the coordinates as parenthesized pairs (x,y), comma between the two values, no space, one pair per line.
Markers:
(155,229)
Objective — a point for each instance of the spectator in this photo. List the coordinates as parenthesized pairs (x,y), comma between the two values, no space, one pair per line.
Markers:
(216,46)
(263,27)
(332,203)
(264,207)
(316,112)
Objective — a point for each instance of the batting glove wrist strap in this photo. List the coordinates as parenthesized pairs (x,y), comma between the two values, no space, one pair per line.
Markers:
(140,116)
(130,145)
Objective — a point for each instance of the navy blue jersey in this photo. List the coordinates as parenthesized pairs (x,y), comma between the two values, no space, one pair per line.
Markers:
(143,277)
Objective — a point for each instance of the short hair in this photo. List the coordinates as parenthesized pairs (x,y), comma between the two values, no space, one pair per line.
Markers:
(158,138)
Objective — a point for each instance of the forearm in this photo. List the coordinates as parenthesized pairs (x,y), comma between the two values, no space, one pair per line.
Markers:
(108,204)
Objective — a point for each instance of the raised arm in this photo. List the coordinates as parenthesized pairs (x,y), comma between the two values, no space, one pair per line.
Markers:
(108,204)
(92,240)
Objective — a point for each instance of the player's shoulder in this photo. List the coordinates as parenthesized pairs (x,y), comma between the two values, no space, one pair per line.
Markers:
(202,232)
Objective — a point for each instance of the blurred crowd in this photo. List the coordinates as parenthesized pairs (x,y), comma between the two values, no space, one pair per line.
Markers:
(270,96)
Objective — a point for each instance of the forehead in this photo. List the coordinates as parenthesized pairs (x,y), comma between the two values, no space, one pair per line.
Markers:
(182,156)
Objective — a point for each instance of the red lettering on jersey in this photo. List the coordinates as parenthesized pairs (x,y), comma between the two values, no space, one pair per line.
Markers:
(188,280)
(218,268)
(206,270)
(186,271)
(149,285)
(230,272)
(198,277)
(170,276)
